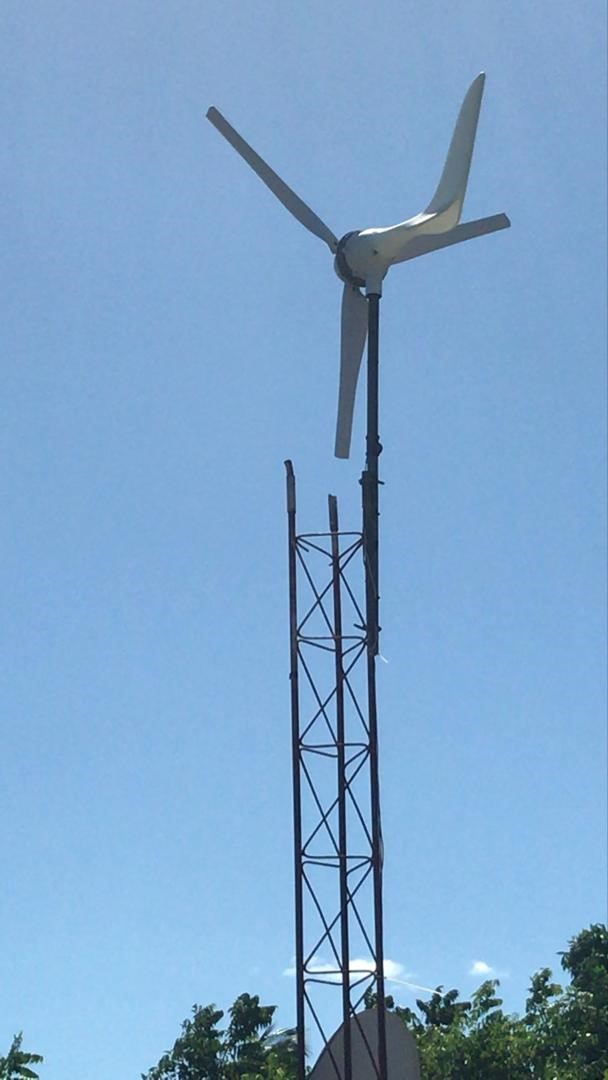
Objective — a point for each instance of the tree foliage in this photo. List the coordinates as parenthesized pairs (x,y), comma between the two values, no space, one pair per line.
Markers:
(562,1035)
(15,1066)
(246,1049)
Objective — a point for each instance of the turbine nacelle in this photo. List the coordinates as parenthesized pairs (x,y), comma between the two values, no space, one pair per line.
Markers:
(344,265)
(363,257)
(359,259)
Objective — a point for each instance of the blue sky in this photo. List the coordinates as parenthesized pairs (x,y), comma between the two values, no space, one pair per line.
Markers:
(169,336)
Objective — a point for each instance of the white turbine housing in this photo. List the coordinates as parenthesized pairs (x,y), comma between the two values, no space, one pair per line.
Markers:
(361,260)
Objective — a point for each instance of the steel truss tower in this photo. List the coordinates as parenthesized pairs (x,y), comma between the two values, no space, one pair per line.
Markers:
(334,632)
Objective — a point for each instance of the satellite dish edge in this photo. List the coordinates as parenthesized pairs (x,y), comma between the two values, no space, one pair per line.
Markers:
(402,1059)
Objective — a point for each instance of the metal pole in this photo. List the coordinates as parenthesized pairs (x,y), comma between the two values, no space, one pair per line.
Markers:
(370,479)
(370,484)
(295,750)
(341,762)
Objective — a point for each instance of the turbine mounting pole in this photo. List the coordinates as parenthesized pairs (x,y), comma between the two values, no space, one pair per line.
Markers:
(370,480)
(370,497)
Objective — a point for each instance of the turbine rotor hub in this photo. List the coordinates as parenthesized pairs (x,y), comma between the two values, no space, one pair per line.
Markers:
(341,265)
(359,260)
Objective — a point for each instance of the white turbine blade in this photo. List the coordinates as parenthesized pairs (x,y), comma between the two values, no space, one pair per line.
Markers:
(444,210)
(352,344)
(284,194)
(449,197)
(423,244)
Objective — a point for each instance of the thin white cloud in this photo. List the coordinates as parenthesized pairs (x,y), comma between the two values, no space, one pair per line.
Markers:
(479,967)
(393,972)
(358,966)
(392,969)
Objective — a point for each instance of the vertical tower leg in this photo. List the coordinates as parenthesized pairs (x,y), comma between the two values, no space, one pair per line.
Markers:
(342,784)
(296,764)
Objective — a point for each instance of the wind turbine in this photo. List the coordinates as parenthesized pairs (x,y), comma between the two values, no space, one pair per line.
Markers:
(362,258)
